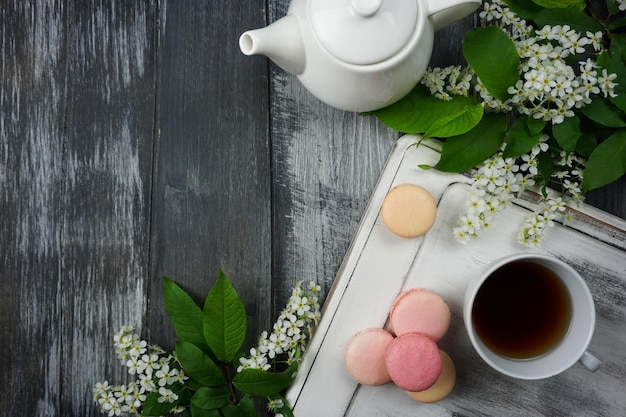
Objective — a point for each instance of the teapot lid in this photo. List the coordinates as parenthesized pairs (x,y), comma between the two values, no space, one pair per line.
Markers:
(363,32)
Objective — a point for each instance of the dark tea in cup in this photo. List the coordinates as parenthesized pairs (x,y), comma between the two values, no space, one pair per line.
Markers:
(530,316)
(522,310)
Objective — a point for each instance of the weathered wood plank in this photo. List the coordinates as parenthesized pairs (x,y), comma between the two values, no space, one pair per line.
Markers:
(211,204)
(106,196)
(76,194)
(611,198)
(32,101)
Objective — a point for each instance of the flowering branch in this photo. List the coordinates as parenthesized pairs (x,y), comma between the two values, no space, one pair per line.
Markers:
(290,331)
(543,107)
(199,377)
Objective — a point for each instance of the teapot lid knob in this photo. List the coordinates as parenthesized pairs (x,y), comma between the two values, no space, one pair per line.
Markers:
(365,32)
(366,8)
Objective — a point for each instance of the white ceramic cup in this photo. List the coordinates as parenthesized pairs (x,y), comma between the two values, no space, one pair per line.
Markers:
(572,346)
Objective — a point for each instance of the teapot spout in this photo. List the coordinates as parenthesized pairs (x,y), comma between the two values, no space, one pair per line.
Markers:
(281,42)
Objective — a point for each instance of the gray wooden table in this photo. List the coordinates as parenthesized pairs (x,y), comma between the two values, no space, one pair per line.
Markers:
(136,141)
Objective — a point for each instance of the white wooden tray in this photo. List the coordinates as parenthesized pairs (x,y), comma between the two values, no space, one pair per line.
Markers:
(379,265)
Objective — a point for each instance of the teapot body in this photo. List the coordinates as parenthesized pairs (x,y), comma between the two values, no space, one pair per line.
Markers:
(363,88)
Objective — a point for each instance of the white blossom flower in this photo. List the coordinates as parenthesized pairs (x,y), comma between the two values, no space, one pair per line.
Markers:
(596,39)
(135,365)
(606,84)
(490,11)
(138,397)
(150,362)
(530,164)
(123,394)
(166,376)
(274,404)
(166,395)
(113,407)
(146,383)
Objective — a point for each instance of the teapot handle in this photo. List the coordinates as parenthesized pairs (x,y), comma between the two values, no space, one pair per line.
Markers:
(445,12)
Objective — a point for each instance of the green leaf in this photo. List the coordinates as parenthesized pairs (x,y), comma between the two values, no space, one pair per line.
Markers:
(618,24)
(605,113)
(463,152)
(612,6)
(262,383)
(198,365)
(546,167)
(523,8)
(498,69)
(245,408)
(419,110)
(557,4)
(586,144)
(606,163)
(520,140)
(210,398)
(617,50)
(567,133)
(456,123)
(576,19)
(535,126)
(184,313)
(152,406)
(199,412)
(224,320)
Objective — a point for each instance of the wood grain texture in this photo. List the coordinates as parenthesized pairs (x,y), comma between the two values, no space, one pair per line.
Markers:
(77,106)
(211,195)
(33,88)
(611,198)
(107,183)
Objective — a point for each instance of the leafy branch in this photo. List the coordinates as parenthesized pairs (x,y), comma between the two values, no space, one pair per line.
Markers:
(543,98)
(595,120)
(208,374)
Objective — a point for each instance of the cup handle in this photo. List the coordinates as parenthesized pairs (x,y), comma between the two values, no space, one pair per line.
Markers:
(590,362)
(445,12)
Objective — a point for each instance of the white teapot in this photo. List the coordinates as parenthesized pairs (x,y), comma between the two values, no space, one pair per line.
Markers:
(356,55)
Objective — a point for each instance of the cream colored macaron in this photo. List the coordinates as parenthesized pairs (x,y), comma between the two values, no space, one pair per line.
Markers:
(409,210)
(442,387)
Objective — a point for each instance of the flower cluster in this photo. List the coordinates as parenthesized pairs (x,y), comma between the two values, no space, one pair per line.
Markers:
(448,81)
(549,88)
(498,180)
(155,370)
(494,186)
(290,332)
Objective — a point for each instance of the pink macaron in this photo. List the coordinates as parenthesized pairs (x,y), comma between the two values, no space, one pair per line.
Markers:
(422,311)
(365,356)
(413,362)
